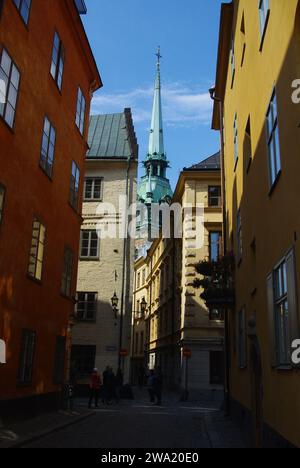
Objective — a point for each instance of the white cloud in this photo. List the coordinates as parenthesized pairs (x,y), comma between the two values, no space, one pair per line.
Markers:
(183,105)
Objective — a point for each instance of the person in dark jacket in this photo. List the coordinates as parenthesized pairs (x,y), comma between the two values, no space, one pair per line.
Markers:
(95,385)
(158,385)
(151,385)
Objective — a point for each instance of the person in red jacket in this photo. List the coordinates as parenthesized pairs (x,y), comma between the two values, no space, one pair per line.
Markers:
(95,385)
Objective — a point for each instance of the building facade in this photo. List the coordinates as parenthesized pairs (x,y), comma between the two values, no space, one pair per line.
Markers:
(106,255)
(139,358)
(44,107)
(176,320)
(258,62)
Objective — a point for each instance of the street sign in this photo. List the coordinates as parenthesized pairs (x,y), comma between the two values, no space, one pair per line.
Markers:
(187,353)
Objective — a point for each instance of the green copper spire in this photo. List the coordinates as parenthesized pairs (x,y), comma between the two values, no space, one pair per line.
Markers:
(154,187)
(156,140)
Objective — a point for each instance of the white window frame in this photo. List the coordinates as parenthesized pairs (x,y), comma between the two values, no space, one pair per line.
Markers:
(9,88)
(37,250)
(88,256)
(93,180)
(273,140)
(80,111)
(235,140)
(84,318)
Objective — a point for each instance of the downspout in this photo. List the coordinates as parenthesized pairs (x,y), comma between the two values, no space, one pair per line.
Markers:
(124,272)
(227,389)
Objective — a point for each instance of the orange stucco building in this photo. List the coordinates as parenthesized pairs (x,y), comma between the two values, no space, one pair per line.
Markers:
(47,77)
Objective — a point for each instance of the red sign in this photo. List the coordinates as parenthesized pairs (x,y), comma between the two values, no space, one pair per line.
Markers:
(124,352)
(187,353)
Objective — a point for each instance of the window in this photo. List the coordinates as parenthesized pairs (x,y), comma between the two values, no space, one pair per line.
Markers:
(216,359)
(138,307)
(36,257)
(86,307)
(83,360)
(144,276)
(235,140)
(247,146)
(273,141)
(214,196)
(27,357)
(74,185)
(243,38)
(9,87)
(48,147)
(242,339)
(216,315)
(264,11)
(89,244)
(80,111)
(283,310)
(2,197)
(66,281)
(24,8)
(58,60)
(232,59)
(139,280)
(282,315)
(92,189)
(239,236)
(59,360)
(215,239)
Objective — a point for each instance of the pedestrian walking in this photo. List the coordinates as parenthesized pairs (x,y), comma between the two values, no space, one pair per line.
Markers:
(95,385)
(109,385)
(119,384)
(150,385)
(141,376)
(158,385)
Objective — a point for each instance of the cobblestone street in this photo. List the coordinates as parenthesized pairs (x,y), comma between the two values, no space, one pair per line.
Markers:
(138,424)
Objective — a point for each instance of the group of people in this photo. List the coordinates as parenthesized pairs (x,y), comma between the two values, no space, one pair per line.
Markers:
(107,388)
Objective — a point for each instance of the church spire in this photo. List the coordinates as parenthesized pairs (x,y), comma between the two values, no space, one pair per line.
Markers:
(156,140)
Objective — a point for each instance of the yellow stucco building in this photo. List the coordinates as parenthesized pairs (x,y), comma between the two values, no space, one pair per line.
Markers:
(176,319)
(258,61)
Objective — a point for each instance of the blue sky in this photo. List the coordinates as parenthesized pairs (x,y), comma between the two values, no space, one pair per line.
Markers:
(124,35)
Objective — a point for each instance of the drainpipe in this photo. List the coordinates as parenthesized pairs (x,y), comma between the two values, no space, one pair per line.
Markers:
(124,272)
(227,389)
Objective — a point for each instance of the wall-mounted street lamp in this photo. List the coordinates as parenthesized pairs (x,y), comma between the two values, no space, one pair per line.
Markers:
(143,305)
(114,303)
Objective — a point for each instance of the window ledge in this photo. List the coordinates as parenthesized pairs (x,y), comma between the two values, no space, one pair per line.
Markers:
(11,129)
(68,298)
(55,83)
(235,164)
(89,259)
(283,368)
(93,200)
(50,178)
(35,280)
(275,183)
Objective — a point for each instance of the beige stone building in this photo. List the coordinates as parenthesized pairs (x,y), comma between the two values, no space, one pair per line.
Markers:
(105,265)
(176,319)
